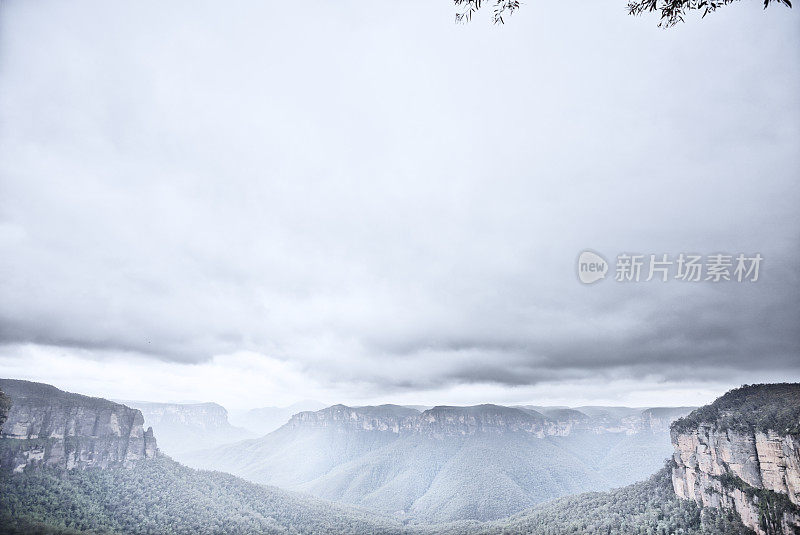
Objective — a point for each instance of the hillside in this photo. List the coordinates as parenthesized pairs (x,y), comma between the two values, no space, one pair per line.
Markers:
(162,497)
(72,463)
(448,463)
(644,508)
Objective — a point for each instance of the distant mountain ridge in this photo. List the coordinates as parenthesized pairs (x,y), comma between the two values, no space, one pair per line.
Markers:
(457,420)
(185,427)
(736,464)
(447,462)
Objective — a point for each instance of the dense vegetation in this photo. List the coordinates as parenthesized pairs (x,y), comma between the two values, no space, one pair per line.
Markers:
(41,394)
(646,508)
(441,469)
(163,497)
(750,408)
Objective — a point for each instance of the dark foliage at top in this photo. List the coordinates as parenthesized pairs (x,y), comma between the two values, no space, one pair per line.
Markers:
(760,407)
(47,395)
(470,7)
(672,11)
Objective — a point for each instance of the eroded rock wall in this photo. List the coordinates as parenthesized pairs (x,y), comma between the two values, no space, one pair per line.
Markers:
(755,473)
(49,427)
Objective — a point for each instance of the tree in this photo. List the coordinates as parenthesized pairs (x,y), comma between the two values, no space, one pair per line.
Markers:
(501,7)
(672,11)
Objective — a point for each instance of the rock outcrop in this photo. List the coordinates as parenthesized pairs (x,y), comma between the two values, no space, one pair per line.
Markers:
(389,418)
(733,457)
(48,427)
(464,421)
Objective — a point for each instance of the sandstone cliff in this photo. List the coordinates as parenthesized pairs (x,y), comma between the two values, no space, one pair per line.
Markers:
(389,418)
(48,427)
(743,453)
(444,421)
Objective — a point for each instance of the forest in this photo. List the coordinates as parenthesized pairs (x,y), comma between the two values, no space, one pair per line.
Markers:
(165,498)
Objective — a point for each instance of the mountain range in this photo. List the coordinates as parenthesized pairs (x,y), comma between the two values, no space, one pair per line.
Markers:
(73,464)
(451,463)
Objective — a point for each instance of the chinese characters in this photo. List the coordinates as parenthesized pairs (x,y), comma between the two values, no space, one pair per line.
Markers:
(688,267)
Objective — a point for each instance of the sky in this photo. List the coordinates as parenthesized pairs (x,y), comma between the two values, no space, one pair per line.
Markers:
(363,202)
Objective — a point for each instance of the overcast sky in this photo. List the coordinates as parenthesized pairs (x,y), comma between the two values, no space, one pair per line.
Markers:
(359,201)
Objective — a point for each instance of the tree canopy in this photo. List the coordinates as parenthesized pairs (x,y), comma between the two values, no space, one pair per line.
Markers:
(672,11)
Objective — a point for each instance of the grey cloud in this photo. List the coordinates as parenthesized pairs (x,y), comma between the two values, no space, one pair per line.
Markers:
(383,199)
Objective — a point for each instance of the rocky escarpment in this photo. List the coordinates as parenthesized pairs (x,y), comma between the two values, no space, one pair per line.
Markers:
(455,421)
(444,421)
(48,427)
(743,453)
(437,422)
(389,418)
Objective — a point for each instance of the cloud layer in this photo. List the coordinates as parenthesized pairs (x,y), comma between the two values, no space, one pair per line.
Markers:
(386,202)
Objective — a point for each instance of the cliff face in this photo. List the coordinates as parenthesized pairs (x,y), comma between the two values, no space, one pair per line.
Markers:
(388,418)
(48,427)
(747,467)
(444,421)
(455,421)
